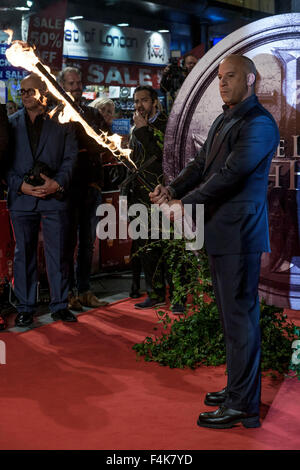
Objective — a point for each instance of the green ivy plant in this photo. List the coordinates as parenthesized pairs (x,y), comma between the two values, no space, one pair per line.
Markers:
(196,338)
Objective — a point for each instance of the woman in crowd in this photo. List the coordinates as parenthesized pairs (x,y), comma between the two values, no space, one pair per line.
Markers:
(106,107)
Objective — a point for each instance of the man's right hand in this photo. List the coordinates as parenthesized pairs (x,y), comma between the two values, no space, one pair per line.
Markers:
(160,195)
(29,190)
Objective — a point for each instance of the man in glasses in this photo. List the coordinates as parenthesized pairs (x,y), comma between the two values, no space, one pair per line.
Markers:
(42,157)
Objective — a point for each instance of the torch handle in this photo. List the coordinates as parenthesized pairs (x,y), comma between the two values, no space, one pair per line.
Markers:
(145,183)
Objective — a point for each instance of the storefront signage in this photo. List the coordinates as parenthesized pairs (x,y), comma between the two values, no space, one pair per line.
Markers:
(91,40)
(46,32)
(129,75)
(7,71)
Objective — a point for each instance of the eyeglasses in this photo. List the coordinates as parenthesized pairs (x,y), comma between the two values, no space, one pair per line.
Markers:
(29,91)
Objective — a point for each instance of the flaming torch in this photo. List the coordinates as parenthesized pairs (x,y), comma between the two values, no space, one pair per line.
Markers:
(20,54)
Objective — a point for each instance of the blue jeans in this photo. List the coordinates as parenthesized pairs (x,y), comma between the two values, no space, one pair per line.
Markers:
(83,223)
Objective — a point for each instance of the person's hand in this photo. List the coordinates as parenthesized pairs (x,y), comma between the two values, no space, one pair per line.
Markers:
(160,195)
(139,120)
(177,210)
(49,187)
(28,189)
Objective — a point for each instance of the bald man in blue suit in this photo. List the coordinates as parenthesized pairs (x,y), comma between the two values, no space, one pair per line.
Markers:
(36,139)
(230,177)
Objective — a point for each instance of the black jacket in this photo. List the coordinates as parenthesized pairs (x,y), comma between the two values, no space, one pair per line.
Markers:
(88,168)
(230,177)
(146,142)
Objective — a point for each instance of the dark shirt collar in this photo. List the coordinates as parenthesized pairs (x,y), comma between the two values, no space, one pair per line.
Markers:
(39,117)
(231,112)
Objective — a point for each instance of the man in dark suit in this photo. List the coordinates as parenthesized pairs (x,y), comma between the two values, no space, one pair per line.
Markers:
(146,141)
(85,196)
(37,139)
(4,133)
(230,177)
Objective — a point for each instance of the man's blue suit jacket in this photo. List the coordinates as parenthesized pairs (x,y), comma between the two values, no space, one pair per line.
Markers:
(230,175)
(57,148)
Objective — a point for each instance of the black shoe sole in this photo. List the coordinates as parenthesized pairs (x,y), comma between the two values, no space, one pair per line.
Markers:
(57,318)
(247,423)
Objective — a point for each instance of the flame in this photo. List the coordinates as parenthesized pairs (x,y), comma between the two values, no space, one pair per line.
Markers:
(111,142)
(20,54)
(10,35)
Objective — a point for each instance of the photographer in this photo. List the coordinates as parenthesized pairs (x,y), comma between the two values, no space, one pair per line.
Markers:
(174,75)
(42,157)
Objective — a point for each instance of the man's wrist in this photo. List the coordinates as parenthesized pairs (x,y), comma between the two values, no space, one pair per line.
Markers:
(172,192)
(60,189)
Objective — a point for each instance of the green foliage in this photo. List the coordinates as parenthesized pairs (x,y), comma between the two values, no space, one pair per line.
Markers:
(197,338)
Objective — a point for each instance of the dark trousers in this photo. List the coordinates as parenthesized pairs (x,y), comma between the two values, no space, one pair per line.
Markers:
(150,261)
(83,223)
(26,227)
(235,281)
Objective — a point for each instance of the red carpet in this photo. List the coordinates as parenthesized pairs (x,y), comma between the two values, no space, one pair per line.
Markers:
(80,386)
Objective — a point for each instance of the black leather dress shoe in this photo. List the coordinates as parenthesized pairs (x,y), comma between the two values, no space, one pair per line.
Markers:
(24,319)
(224,418)
(215,398)
(64,315)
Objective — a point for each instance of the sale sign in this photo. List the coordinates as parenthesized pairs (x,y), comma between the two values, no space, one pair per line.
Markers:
(46,32)
(116,74)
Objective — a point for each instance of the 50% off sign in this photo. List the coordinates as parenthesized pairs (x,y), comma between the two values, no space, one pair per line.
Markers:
(47,35)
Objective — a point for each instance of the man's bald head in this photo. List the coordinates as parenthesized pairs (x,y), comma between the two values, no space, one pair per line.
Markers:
(246,64)
(35,82)
(33,91)
(237,76)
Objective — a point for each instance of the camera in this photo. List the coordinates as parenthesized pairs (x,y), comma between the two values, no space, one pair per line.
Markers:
(33,176)
(173,78)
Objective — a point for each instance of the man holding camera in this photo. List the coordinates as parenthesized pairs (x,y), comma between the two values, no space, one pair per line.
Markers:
(39,145)
(174,75)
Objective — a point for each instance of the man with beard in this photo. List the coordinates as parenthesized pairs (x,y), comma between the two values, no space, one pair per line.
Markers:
(146,141)
(85,196)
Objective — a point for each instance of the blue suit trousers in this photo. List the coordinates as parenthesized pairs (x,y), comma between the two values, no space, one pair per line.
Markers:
(54,225)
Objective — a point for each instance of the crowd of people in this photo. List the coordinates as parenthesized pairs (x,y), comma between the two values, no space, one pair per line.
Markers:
(54,177)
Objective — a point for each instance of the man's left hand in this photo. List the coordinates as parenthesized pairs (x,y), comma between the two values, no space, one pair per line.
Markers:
(49,187)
